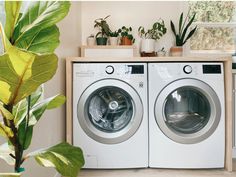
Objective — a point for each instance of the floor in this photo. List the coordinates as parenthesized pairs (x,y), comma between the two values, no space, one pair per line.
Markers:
(158,173)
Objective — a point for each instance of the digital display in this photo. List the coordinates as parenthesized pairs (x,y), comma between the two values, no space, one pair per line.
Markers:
(211,69)
(136,69)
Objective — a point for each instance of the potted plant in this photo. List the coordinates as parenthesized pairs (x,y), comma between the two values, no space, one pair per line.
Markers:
(91,40)
(114,37)
(150,36)
(182,35)
(104,30)
(29,61)
(161,52)
(126,36)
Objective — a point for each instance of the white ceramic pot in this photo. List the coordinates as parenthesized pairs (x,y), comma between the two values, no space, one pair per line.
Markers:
(10,174)
(148,45)
(90,41)
(113,40)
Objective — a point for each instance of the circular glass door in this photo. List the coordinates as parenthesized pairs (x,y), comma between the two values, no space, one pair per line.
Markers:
(187,111)
(110,114)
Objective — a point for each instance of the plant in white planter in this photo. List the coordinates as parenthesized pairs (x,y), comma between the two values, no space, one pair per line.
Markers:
(150,36)
(114,37)
(182,35)
(28,61)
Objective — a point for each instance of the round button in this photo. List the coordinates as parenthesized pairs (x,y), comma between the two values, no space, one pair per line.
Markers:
(109,69)
(187,69)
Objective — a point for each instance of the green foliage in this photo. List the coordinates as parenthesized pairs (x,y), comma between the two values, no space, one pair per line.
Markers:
(126,32)
(25,73)
(28,61)
(37,26)
(103,27)
(180,36)
(115,33)
(65,158)
(156,32)
(12,15)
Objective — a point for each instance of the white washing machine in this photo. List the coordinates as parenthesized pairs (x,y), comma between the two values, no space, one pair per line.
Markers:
(186,115)
(110,120)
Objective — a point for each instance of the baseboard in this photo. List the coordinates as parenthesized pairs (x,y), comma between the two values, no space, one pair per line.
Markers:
(234,152)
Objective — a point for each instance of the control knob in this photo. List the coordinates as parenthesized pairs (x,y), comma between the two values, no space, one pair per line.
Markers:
(109,69)
(187,69)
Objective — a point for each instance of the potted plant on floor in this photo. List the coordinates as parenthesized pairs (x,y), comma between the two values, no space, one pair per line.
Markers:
(114,37)
(126,36)
(104,30)
(150,36)
(29,61)
(182,35)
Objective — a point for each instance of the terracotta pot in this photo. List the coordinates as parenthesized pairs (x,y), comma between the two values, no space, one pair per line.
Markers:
(176,51)
(125,41)
(10,174)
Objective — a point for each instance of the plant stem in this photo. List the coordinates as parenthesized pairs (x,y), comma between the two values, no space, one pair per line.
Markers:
(27,119)
(15,141)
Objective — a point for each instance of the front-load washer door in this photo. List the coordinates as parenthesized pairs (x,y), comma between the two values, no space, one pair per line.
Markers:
(110,111)
(187,111)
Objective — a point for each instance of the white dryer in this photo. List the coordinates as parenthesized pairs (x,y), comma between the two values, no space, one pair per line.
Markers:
(186,115)
(110,120)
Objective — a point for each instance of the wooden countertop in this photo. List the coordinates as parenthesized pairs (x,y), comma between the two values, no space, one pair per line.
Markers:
(228,90)
(149,59)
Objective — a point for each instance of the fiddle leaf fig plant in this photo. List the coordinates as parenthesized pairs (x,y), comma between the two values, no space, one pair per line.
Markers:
(29,40)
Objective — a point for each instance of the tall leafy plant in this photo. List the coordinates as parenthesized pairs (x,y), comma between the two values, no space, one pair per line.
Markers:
(28,61)
(156,32)
(182,35)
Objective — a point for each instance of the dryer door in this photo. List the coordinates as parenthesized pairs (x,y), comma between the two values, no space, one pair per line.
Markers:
(110,111)
(187,111)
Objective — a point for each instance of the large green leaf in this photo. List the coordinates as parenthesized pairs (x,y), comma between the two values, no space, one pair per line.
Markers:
(66,158)
(5,131)
(40,19)
(25,135)
(25,73)
(20,110)
(12,9)
(4,154)
(46,41)
(4,112)
(38,109)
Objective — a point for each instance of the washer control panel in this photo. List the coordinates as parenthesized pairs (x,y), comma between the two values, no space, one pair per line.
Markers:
(124,69)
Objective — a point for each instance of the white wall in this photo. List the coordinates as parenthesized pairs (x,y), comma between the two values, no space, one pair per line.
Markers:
(132,14)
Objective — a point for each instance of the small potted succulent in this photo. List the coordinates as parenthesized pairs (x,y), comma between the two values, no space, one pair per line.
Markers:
(161,52)
(126,36)
(114,37)
(150,36)
(104,30)
(182,35)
